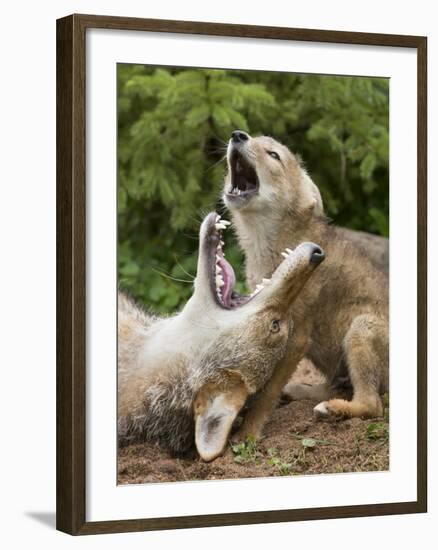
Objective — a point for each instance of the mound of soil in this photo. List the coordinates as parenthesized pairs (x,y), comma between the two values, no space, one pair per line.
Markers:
(293,444)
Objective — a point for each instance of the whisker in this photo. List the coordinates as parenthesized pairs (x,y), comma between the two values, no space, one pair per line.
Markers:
(222,209)
(185,271)
(225,143)
(192,237)
(216,163)
(219,149)
(163,274)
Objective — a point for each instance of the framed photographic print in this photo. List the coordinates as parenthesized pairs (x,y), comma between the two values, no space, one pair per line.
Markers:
(241,274)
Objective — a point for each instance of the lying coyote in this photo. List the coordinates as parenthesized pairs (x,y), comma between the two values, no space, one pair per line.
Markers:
(184,379)
(341,318)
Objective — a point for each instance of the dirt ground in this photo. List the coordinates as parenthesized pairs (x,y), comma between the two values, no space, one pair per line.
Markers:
(293,444)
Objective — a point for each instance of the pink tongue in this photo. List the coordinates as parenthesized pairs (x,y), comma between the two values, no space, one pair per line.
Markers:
(229,280)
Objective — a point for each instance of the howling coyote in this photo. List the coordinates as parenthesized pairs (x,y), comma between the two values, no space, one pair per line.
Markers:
(184,379)
(341,318)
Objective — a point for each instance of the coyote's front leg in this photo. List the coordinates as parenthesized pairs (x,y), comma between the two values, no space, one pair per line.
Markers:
(366,352)
(266,401)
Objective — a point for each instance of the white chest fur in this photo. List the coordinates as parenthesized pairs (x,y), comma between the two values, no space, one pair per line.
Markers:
(185,334)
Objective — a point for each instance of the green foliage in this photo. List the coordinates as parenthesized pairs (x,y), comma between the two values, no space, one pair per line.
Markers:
(377,430)
(310,442)
(283,468)
(246,451)
(173,128)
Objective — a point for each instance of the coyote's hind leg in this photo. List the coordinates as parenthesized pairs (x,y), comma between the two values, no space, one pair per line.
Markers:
(366,353)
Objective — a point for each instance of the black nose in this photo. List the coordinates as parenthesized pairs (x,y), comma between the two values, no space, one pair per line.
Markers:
(317,255)
(238,136)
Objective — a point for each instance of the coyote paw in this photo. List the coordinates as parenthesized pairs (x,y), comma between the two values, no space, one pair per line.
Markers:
(336,409)
(322,411)
(328,410)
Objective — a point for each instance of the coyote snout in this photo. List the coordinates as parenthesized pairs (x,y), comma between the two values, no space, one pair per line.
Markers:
(184,379)
(262,173)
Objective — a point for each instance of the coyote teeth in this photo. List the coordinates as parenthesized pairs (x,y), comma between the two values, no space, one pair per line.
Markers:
(266,281)
(289,251)
(218,269)
(220,226)
(219,281)
(285,255)
(222,243)
(225,222)
(258,288)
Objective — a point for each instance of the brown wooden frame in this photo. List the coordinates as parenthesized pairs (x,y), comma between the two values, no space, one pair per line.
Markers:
(71,266)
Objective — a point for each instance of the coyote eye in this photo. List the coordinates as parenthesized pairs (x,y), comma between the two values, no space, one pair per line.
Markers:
(275,325)
(274,155)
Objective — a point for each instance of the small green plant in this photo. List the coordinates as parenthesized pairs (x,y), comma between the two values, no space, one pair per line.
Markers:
(246,451)
(283,468)
(377,431)
(310,442)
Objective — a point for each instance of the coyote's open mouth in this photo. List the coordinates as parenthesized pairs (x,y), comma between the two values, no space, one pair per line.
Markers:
(244,180)
(221,272)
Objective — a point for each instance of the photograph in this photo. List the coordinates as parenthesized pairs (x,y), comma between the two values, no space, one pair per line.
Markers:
(216,215)
(252,274)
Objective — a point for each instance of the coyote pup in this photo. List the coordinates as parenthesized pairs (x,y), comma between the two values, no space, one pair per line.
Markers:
(341,319)
(184,379)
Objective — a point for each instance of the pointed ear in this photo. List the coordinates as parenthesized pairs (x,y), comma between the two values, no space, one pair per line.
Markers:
(311,198)
(318,208)
(215,411)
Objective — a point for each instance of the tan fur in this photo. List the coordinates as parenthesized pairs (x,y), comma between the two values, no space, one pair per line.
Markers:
(342,316)
(375,247)
(183,379)
(232,384)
